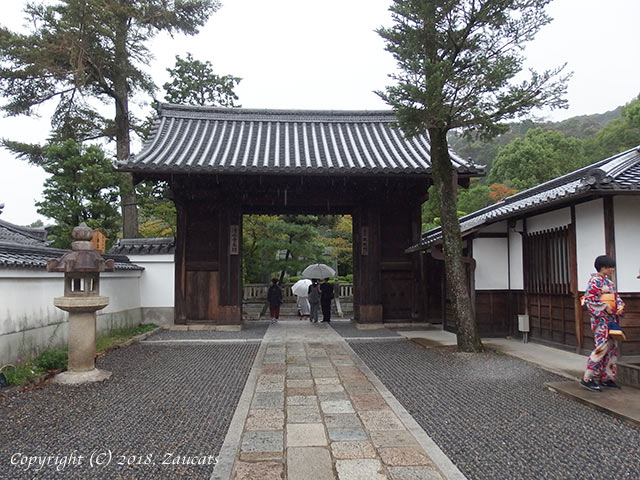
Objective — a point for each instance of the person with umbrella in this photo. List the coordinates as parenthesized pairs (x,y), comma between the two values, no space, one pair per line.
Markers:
(313,294)
(326,295)
(301,290)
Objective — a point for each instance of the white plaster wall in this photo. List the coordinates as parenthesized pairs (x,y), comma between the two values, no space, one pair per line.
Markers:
(589,238)
(157,280)
(546,221)
(516,272)
(626,214)
(29,322)
(492,272)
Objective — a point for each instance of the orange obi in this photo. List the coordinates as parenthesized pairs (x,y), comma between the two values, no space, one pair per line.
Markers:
(609,299)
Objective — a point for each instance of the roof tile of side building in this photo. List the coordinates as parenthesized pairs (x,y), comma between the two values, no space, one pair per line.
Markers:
(188,139)
(22,235)
(144,246)
(618,173)
(13,255)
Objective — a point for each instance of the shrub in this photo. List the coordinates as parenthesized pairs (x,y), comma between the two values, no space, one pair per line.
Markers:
(52,360)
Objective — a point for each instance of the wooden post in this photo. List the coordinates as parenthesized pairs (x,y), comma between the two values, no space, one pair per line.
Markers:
(180,264)
(573,280)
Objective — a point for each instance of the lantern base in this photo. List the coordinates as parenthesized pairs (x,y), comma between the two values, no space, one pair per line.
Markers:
(76,378)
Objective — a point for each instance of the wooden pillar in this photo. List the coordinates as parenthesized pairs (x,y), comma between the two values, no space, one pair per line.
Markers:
(230,272)
(609,231)
(366,253)
(573,280)
(180,316)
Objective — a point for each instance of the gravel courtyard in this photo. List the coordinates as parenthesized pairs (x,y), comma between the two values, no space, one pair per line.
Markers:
(164,403)
(492,417)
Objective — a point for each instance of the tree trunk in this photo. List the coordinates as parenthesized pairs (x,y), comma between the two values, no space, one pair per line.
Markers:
(468,336)
(121,89)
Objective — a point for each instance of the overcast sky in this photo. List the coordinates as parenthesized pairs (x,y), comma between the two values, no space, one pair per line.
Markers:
(326,55)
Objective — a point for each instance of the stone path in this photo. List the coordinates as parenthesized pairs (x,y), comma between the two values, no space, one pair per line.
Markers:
(312,410)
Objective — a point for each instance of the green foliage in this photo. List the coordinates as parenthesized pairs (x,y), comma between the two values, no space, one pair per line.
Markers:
(538,157)
(457,61)
(340,239)
(194,83)
(286,244)
(52,360)
(22,373)
(83,187)
(157,213)
(80,51)
(121,335)
(469,200)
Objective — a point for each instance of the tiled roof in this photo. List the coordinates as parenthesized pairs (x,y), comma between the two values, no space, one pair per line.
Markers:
(144,246)
(221,140)
(22,235)
(13,255)
(617,173)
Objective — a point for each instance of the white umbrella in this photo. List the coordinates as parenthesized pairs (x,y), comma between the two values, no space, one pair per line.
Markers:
(301,288)
(319,271)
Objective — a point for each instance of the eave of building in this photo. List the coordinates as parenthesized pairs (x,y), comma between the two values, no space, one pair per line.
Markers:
(206,140)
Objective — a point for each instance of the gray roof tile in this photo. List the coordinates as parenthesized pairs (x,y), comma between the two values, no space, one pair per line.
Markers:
(144,246)
(221,140)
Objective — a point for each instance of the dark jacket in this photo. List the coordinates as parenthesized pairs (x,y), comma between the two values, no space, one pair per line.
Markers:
(326,292)
(274,296)
(314,293)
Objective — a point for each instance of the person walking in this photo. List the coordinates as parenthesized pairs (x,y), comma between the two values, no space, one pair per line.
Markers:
(314,300)
(304,307)
(274,297)
(326,295)
(604,304)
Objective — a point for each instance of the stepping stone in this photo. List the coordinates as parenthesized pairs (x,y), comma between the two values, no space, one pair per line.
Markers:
(303,414)
(299,383)
(378,420)
(327,381)
(368,469)
(393,438)
(309,463)
(414,473)
(403,456)
(268,400)
(302,400)
(306,435)
(329,388)
(261,470)
(353,450)
(336,406)
(345,434)
(262,445)
(263,419)
(342,420)
(372,401)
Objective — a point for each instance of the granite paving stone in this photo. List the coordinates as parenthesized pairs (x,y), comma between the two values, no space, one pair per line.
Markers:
(393,438)
(414,473)
(268,400)
(345,434)
(361,469)
(320,388)
(336,406)
(342,420)
(372,401)
(333,396)
(263,441)
(327,381)
(353,449)
(299,383)
(265,419)
(303,414)
(313,463)
(265,470)
(302,400)
(300,392)
(403,456)
(377,420)
(306,435)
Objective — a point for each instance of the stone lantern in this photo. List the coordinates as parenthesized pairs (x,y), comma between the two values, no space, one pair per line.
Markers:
(81,267)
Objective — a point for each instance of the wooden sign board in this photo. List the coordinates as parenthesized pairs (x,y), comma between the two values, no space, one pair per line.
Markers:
(364,240)
(99,241)
(234,239)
